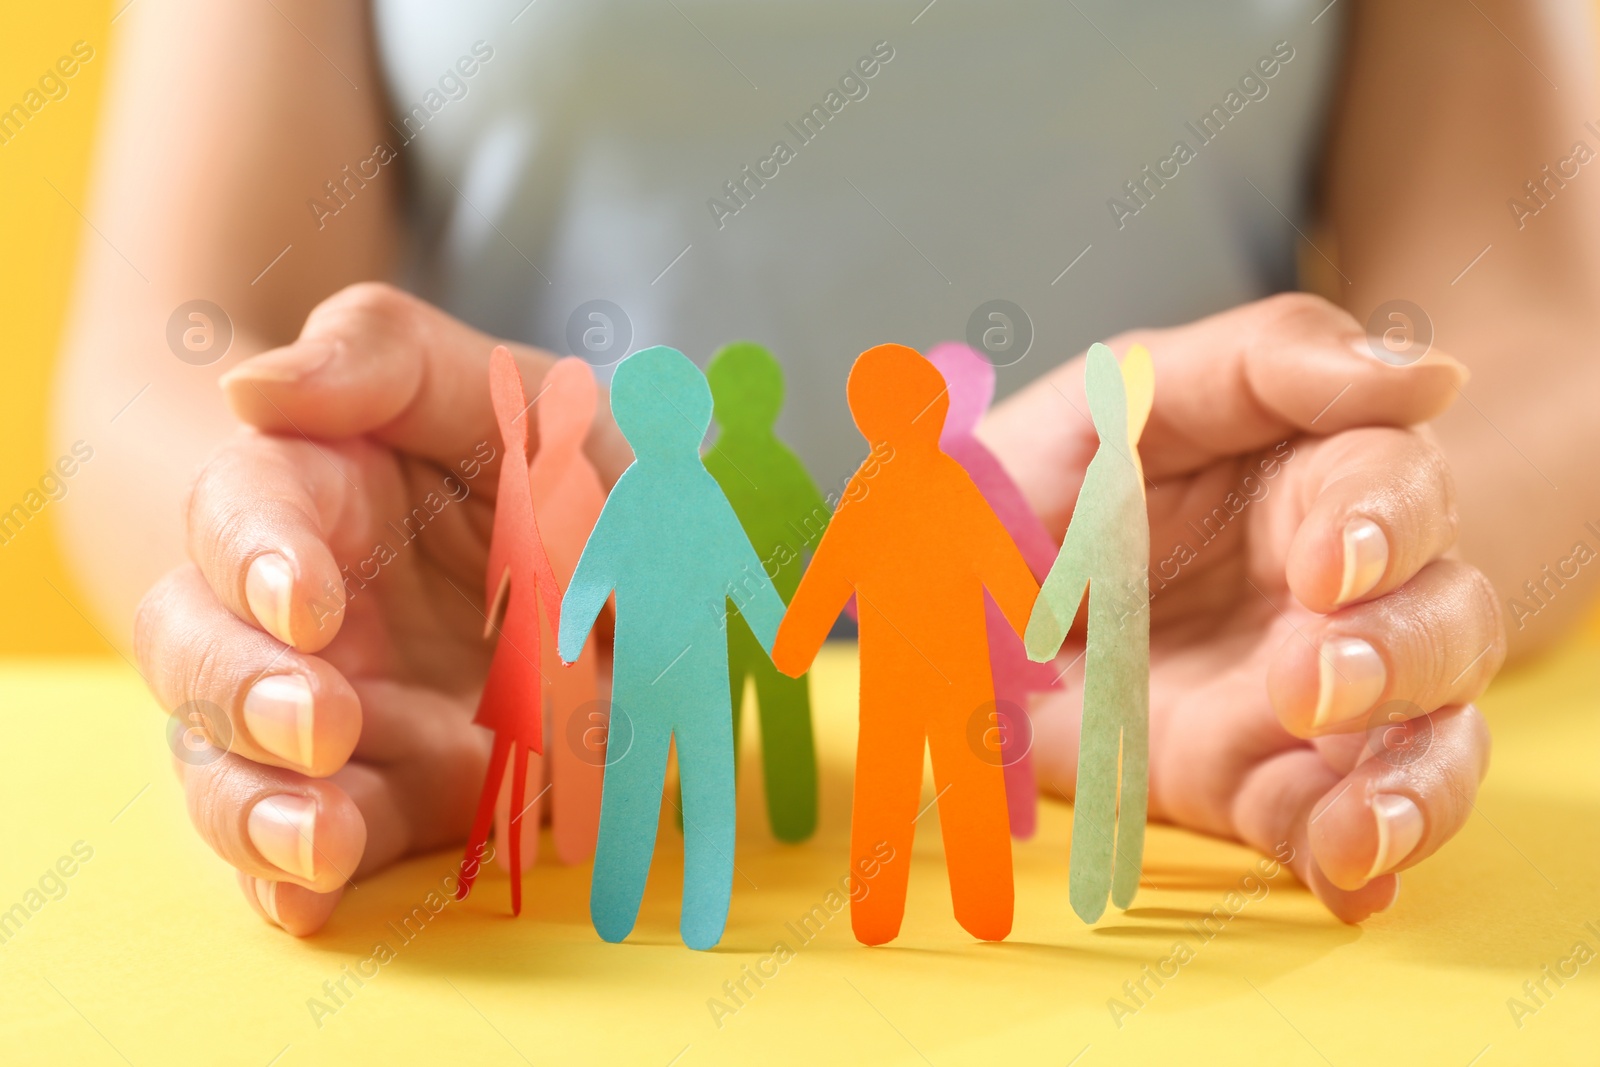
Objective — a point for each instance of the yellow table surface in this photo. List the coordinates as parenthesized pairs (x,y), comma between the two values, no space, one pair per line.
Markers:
(152,957)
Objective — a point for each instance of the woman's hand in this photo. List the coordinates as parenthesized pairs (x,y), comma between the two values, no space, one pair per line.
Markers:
(1313,647)
(330,621)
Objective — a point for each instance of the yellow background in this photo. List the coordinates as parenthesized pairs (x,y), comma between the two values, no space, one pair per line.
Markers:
(153,955)
(38,246)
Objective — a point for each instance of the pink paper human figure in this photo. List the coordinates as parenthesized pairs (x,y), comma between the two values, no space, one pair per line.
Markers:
(567,497)
(970,378)
(518,578)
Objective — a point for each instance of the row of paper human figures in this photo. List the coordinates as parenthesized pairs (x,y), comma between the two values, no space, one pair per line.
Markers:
(731,565)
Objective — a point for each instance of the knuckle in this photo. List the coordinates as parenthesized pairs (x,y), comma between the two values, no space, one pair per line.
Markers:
(1298,314)
(366,307)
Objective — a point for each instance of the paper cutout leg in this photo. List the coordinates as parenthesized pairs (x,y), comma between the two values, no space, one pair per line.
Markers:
(972,820)
(478,836)
(705,743)
(1107,550)
(630,809)
(888,782)
(788,749)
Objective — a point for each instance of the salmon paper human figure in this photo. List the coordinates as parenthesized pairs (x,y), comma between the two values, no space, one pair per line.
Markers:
(518,579)
(1107,551)
(671,548)
(917,545)
(784,514)
(567,498)
(970,378)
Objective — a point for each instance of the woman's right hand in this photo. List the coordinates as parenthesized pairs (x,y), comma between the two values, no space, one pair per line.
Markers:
(327,630)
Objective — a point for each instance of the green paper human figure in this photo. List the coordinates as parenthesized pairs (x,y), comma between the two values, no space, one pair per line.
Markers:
(1107,551)
(784,514)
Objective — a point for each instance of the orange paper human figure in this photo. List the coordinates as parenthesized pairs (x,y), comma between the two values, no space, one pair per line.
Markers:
(916,544)
(567,498)
(518,579)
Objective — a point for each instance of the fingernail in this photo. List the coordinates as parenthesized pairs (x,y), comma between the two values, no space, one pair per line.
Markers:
(282,828)
(267,894)
(1366,557)
(267,588)
(287,365)
(1350,679)
(277,711)
(1399,829)
(1395,896)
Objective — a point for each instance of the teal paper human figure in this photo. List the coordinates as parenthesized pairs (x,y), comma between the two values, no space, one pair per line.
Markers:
(668,545)
(1107,551)
(783,513)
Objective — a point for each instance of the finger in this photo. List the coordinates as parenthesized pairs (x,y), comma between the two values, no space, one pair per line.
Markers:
(239,687)
(294,908)
(275,824)
(1437,640)
(261,520)
(375,360)
(1379,505)
(1272,812)
(1398,807)
(1234,383)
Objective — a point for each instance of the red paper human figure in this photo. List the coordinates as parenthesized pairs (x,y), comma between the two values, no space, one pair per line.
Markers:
(567,497)
(519,576)
(971,380)
(916,543)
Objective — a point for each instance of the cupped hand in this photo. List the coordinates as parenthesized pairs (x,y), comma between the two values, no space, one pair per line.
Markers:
(328,629)
(1314,646)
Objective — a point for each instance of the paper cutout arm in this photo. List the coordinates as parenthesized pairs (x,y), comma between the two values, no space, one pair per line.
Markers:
(592,582)
(1002,569)
(1059,598)
(761,606)
(823,593)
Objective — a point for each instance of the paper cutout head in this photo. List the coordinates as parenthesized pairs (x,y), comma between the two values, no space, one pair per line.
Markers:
(971,379)
(897,396)
(662,403)
(748,385)
(1108,404)
(568,399)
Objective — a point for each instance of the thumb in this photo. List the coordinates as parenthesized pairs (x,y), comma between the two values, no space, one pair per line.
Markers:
(376,361)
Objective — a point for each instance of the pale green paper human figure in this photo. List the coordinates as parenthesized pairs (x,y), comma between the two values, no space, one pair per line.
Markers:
(783,513)
(1107,551)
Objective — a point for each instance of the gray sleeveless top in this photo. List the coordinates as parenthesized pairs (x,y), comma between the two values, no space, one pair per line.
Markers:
(821,177)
